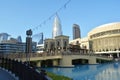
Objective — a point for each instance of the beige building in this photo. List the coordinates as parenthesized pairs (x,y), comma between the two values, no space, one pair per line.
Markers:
(60,43)
(105,38)
(82,42)
(102,39)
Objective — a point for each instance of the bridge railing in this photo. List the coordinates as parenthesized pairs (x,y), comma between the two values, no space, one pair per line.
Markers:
(23,55)
(85,54)
(23,71)
(45,54)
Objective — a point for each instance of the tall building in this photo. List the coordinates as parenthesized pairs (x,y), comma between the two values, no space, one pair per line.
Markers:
(13,45)
(76,31)
(41,39)
(4,36)
(38,38)
(57,29)
(19,39)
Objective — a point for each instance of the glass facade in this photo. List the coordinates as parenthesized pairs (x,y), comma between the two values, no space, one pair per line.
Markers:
(57,29)
(76,31)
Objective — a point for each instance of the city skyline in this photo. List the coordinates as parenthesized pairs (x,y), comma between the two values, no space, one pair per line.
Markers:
(18,16)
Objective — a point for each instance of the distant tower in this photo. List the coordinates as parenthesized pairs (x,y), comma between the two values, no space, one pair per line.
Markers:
(38,38)
(19,39)
(57,29)
(76,31)
(4,36)
(41,39)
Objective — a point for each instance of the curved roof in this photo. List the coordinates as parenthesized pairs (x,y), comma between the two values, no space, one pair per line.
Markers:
(105,27)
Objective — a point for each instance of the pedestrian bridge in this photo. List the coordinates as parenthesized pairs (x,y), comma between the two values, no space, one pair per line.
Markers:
(60,59)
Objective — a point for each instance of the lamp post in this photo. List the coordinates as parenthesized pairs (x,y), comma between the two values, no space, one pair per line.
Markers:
(28,45)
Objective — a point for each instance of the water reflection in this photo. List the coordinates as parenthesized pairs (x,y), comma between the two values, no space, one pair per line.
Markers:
(90,72)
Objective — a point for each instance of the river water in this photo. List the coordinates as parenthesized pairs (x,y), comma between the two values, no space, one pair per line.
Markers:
(107,71)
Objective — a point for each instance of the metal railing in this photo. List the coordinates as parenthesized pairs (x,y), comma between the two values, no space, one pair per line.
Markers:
(46,54)
(23,55)
(21,70)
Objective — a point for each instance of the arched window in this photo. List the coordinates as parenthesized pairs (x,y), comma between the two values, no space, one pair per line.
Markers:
(77,42)
(115,49)
(103,50)
(52,46)
(58,43)
(106,49)
(46,45)
(65,44)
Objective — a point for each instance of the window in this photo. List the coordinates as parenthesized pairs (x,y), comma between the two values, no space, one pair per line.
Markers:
(77,42)
(65,44)
(58,43)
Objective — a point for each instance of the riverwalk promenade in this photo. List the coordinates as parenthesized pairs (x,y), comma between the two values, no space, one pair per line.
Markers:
(4,75)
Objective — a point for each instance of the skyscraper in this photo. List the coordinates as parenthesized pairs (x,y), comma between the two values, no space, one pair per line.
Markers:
(38,38)
(4,36)
(76,31)
(41,39)
(57,29)
(19,39)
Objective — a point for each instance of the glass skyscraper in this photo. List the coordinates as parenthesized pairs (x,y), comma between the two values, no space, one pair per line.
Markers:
(4,36)
(76,31)
(57,29)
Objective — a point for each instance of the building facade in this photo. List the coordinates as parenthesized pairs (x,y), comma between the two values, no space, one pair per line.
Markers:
(4,36)
(76,31)
(59,43)
(40,48)
(38,38)
(105,38)
(13,45)
(57,28)
(82,42)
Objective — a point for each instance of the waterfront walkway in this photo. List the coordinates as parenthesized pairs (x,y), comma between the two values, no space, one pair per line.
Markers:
(4,75)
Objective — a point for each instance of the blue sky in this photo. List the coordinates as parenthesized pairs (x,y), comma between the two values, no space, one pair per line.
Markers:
(17,16)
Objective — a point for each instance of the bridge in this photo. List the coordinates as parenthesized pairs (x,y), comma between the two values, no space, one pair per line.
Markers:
(66,59)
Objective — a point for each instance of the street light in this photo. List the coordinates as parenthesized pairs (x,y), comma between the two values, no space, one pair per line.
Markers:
(28,45)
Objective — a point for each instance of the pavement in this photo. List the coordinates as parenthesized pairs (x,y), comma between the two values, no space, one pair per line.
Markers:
(5,75)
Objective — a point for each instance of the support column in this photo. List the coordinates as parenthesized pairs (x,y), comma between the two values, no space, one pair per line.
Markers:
(92,60)
(66,61)
(83,61)
(55,62)
(38,63)
(118,55)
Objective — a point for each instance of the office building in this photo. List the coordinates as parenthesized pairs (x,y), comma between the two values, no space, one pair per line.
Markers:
(57,29)
(76,31)
(4,36)
(13,45)
(38,38)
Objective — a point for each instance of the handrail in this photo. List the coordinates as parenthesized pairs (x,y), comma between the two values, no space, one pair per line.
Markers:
(45,54)
(21,70)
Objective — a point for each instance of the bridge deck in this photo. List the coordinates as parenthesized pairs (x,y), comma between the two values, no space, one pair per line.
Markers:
(45,56)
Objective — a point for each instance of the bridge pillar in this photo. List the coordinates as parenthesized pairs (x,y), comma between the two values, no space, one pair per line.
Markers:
(55,62)
(66,62)
(118,55)
(92,60)
(38,63)
(83,61)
